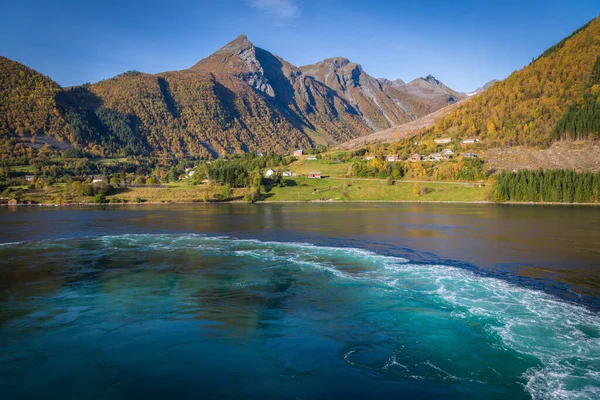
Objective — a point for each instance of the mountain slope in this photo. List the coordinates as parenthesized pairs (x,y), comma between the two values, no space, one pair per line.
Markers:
(310,105)
(483,88)
(183,113)
(398,132)
(28,110)
(524,109)
(381,103)
(27,101)
(434,92)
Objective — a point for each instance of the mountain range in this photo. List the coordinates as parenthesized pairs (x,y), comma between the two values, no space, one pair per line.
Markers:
(238,99)
(243,98)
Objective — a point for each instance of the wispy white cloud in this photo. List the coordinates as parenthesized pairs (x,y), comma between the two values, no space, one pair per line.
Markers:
(279,10)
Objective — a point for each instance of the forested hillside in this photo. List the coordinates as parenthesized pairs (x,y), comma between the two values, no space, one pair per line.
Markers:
(554,97)
(27,108)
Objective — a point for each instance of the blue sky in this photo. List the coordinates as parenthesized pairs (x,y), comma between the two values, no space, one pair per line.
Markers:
(463,43)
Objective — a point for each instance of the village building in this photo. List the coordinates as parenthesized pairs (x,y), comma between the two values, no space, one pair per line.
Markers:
(443,140)
(392,158)
(287,173)
(470,141)
(415,158)
(312,157)
(191,172)
(269,173)
(469,155)
(260,154)
(298,152)
(435,157)
(369,158)
(447,153)
(314,175)
(98,179)
(29,178)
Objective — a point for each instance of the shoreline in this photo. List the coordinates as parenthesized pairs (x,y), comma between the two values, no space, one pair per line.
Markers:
(167,203)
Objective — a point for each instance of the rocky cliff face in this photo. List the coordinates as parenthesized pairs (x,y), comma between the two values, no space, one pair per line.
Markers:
(394,83)
(380,104)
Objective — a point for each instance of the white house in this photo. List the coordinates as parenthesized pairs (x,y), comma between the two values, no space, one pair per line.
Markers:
(97,179)
(270,172)
(470,141)
(435,157)
(191,172)
(287,173)
(447,153)
(312,157)
(369,158)
(443,140)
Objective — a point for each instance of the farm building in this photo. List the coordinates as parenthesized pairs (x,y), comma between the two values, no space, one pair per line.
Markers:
(470,141)
(447,153)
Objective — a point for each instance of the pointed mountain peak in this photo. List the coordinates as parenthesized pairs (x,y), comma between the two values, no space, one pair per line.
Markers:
(232,54)
(431,79)
(238,44)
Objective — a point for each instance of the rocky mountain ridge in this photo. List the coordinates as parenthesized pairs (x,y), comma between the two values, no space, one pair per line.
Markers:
(240,98)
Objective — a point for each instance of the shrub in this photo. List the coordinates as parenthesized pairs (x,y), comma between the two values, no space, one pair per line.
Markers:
(100,198)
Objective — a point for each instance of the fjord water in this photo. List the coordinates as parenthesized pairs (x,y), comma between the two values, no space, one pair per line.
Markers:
(300,301)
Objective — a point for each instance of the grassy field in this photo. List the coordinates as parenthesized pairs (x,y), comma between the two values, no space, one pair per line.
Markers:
(110,161)
(304,189)
(326,168)
(297,188)
(172,194)
(22,169)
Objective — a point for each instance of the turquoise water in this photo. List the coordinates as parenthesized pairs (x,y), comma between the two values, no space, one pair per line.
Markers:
(186,315)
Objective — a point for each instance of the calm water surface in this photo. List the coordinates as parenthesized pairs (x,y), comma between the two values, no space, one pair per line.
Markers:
(300,301)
